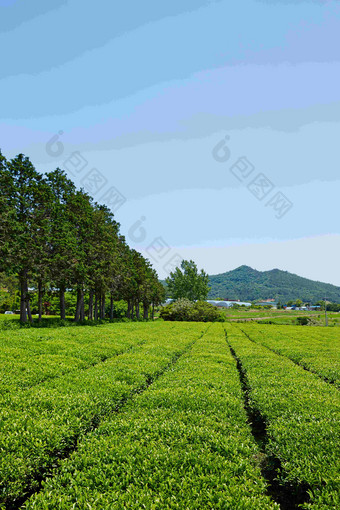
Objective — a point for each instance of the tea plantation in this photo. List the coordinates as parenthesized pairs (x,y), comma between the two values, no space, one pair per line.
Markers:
(169,415)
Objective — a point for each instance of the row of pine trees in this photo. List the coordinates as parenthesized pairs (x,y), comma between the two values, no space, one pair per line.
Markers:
(54,236)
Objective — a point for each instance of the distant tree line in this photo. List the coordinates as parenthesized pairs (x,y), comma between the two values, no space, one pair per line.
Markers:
(54,236)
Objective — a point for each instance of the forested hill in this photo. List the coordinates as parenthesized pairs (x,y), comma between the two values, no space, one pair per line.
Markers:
(248,284)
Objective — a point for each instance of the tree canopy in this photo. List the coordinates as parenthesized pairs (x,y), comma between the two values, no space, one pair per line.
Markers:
(187,282)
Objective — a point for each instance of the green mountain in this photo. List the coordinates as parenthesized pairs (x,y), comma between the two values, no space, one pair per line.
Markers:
(247,284)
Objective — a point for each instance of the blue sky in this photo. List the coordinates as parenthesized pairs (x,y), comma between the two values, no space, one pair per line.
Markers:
(144,91)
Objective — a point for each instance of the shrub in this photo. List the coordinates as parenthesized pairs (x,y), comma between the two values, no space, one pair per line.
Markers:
(308,321)
(185,310)
(302,321)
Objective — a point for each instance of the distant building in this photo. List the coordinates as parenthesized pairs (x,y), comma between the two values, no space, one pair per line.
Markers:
(227,304)
(219,303)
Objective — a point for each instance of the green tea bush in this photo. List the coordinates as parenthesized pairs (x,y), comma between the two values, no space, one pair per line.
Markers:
(56,386)
(301,415)
(184,443)
(315,349)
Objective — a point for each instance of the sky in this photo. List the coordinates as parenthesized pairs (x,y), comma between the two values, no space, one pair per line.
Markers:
(210,127)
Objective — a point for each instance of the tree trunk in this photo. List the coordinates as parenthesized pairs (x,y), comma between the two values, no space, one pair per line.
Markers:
(62,303)
(111,306)
(100,306)
(128,313)
(95,307)
(137,309)
(82,308)
(145,310)
(23,298)
(80,300)
(103,306)
(153,311)
(90,315)
(29,314)
(40,296)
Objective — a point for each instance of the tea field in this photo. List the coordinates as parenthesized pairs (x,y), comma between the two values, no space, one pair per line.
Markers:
(170,415)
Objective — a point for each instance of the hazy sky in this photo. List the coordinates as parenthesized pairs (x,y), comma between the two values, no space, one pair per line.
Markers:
(210,127)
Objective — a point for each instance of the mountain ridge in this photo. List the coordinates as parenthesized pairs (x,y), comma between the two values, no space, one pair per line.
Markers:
(248,284)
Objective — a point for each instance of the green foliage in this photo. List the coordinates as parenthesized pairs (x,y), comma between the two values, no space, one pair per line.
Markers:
(119,309)
(333,307)
(308,321)
(302,321)
(187,282)
(186,310)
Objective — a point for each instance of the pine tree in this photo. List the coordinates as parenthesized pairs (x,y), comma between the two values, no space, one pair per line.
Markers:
(27,200)
(63,242)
